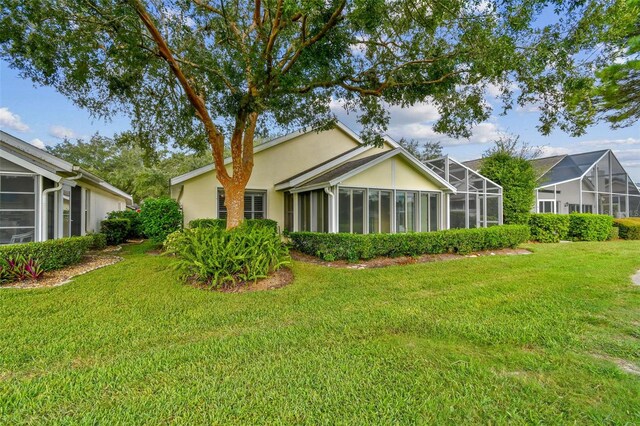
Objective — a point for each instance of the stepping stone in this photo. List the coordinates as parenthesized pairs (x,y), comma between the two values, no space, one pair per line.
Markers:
(636,278)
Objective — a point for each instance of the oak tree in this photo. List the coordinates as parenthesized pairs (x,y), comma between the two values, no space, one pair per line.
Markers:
(205,74)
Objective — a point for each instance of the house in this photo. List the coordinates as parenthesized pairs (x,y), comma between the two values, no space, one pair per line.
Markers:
(330,181)
(588,182)
(43,197)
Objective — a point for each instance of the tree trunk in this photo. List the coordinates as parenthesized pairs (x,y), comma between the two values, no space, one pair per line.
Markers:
(242,165)
(234,202)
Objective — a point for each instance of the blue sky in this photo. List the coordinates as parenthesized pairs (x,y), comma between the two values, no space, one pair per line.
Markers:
(43,117)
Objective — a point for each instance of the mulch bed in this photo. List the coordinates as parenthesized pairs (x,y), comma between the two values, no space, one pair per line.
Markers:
(278,279)
(382,262)
(63,276)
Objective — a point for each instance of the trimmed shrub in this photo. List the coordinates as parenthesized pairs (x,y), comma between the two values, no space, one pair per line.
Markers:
(160,217)
(115,230)
(99,241)
(589,227)
(549,227)
(614,233)
(224,258)
(136,229)
(50,254)
(629,228)
(222,223)
(353,247)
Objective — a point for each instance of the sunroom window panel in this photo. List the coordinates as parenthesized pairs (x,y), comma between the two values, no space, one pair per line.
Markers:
(374,211)
(473,211)
(344,210)
(358,211)
(493,210)
(411,211)
(424,212)
(9,201)
(19,184)
(434,212)
(458,211)
(17,208)
(634,206)
(401,225)
(385,211)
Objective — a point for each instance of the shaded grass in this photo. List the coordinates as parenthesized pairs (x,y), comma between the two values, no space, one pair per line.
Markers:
(504,339)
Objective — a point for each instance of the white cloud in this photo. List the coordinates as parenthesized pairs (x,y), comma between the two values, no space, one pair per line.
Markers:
(61,132)
(12,121)
(38,143)
(420,112)
(550,151)
(608,143)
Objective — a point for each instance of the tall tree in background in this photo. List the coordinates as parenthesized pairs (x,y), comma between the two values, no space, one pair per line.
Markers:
(423,151)
(507,164)
(217,72)
(121,162)
(618,94)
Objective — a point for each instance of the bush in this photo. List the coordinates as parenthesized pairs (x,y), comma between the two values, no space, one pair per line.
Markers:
(160,217)
(354,247)
(115,230)
(222,223)
(135,230)
(629,228)
(19,268)
(549,227)
(614,233)
(51,254)
(589,227)
(223,258)
(98,242)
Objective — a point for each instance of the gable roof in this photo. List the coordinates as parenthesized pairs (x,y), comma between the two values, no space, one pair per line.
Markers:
(540,165)
(351,168)
(50,166)
(282,139)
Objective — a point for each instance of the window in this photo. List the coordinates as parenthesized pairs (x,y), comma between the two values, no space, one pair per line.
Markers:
(288,211)
(429,212)
(313,211)
(406,206)
(546,206)
(254,204)
(17,208)
(351,207)
(87,207)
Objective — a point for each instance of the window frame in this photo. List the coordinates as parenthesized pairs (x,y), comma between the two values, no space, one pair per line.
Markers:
(221,209)
(34,210)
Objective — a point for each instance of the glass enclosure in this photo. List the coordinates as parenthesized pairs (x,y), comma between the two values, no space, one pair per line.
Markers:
(17,208)
(477,202)
(593,182)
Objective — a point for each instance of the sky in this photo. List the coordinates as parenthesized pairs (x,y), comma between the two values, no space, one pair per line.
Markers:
(43,117)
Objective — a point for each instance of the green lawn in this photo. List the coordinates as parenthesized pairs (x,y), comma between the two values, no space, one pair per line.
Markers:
(517,339)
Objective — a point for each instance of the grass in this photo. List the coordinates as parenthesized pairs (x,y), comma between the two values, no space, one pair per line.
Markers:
(503,339)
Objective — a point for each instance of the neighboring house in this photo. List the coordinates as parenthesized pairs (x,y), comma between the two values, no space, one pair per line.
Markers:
(589,182)
(43,197)
(328,182)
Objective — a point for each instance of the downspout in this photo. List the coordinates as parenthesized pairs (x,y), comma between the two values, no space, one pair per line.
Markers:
(43,204)
(332,203)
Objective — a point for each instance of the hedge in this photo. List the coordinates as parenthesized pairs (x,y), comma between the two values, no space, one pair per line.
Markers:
(116,230)
(51,254)
(354,247)
(549,227)
(222,223)
(629,228)
(589,227)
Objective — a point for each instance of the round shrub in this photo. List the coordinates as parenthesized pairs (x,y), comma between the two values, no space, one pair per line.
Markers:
(115,230)
(160,217)
(133,216)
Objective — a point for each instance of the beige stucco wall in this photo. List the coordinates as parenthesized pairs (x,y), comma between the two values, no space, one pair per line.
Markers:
(272,165)
(393,173)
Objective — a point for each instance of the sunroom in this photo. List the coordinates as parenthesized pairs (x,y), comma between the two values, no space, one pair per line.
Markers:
(390,192)
(477,202)
(590,182)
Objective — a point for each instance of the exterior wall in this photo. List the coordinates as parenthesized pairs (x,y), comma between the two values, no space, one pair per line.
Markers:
(272,165)
(394,173)
(566,193)
(101,203)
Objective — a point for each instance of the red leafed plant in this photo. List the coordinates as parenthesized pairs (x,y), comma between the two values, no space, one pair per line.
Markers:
(19,268)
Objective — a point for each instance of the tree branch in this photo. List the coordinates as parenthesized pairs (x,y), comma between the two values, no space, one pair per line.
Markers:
(215,137)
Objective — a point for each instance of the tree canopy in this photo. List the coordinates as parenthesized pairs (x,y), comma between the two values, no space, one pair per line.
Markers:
(201,73)
(423,151)
(121,162)
(618,92)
